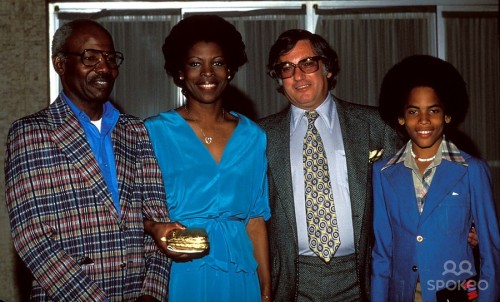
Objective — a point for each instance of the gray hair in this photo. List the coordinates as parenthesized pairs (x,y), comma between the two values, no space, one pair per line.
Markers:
(60,37)
(63,33)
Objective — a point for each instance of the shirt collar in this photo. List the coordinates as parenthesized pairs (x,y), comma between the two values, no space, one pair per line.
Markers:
(452,153)
(109,118)
(449,152)
(82,116)
(326,111)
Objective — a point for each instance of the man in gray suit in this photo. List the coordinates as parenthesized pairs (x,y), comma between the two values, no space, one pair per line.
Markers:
(305,68)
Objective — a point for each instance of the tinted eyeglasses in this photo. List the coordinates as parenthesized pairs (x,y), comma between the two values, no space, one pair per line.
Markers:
(92,57)
(285,70)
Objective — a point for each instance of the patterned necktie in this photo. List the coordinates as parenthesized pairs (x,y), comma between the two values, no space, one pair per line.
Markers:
(322,228)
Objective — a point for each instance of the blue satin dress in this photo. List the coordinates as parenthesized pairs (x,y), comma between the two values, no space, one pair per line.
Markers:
(220,198)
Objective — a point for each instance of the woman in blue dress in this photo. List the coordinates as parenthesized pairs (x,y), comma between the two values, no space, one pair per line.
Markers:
(214,168)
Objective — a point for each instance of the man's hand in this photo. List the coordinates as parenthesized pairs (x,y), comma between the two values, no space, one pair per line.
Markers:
(472,239)
(146,299)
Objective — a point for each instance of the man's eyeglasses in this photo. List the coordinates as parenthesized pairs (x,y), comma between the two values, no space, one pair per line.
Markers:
(92,57)
(285,70)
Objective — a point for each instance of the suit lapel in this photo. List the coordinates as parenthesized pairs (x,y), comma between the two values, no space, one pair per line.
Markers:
(69,135)
(400,179)
(125,147)
(445,178)
(355,135)
(279,163)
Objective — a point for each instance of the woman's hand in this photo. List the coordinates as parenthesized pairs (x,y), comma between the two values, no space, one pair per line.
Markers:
(256,229)
(159,231)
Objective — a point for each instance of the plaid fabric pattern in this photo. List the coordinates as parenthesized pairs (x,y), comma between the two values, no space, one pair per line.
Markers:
(422,186)
(63,221)
(449,152)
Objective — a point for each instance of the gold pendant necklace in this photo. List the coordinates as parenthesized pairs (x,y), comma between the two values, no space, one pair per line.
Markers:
(208,139)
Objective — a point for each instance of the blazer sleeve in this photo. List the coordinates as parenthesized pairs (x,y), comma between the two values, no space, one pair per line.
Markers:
(154,208)
(382,249)
(485,219)
(59,274)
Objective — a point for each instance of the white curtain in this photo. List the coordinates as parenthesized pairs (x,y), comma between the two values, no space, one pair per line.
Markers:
(472,45)
(370,41)
(143,88)
(259,97)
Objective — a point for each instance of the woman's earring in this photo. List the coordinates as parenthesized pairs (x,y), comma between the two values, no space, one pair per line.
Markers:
(229,77)
(181,78)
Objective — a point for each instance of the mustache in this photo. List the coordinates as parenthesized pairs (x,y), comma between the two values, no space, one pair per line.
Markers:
(107,77)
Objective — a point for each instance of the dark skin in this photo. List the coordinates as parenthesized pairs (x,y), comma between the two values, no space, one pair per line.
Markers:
(158,230)
(88,87)
(205,75)
(472,237)
(146,299)
(423,110)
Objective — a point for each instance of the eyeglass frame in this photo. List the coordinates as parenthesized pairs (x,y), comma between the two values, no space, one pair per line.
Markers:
(276,73)
(104,54)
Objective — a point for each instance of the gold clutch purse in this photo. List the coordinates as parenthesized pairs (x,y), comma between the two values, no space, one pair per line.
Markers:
(189,240)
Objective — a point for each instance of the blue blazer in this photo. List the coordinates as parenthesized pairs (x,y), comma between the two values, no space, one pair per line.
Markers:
(433,245)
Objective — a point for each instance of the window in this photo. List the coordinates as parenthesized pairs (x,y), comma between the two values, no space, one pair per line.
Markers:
(369,36)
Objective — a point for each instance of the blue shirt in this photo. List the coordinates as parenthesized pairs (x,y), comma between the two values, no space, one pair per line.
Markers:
(328,126)
(101,144)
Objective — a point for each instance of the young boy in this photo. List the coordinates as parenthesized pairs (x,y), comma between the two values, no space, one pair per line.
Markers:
(427,196)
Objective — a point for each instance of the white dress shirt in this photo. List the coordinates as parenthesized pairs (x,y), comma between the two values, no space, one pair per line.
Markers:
(328,126)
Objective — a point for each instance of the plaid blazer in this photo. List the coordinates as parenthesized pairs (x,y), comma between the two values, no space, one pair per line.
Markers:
(64,224)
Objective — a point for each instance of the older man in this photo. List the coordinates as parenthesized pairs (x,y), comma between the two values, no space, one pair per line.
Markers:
(80,180)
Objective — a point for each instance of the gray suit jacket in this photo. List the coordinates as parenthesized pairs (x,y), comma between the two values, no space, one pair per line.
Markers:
(362,131)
